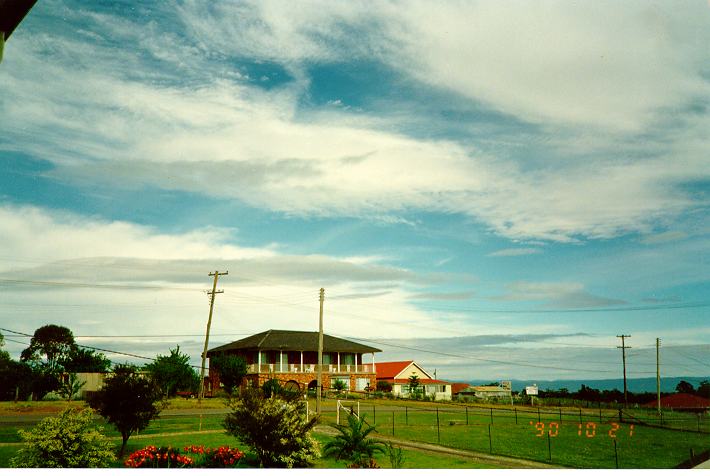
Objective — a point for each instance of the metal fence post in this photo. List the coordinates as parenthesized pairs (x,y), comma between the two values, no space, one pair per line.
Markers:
(491,415)
(406,416)
(467,415)
(616,455)
(516,415)
(392,422)
(490,440)
(538,414)
(438,434)
(580,416)
(549,447)
(560,414)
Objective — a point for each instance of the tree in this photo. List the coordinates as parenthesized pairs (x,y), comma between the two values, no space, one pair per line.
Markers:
(66,441)
(15,379)
(128,400)
(413,385)
(383,386)
(51,343)
(277,429)
(173,373)
(271,387)
(79,359)
(70,386)
(353,442)
(703,389)
(684,387)
(339,385)
(231,370)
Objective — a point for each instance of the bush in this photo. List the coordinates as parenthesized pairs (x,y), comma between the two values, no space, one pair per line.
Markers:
(200,457)
(276,428)
(66,441)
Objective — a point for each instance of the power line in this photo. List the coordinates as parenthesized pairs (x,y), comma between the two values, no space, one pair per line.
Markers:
(447,354)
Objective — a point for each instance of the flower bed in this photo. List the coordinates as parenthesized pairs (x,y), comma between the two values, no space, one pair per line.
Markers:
(193,457)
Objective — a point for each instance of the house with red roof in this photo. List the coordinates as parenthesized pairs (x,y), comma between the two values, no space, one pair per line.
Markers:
(398,374)
(683,402)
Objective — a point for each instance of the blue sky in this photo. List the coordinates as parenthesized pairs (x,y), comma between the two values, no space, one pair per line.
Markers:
(494,190)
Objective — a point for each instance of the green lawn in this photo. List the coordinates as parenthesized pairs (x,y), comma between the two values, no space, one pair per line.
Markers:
(561,442)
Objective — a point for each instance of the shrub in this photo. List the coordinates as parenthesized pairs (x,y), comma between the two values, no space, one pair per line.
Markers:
(128,401)
(199,457)
(222,457)
(153,457)
(66,441)
(353,443)
(276,428)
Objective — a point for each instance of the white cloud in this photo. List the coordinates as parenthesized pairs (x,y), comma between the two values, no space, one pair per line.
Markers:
(516,252)
(229,138)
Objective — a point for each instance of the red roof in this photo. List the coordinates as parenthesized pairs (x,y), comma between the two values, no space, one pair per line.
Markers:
(457,387)
(389,370)
(681,400)
(422,381)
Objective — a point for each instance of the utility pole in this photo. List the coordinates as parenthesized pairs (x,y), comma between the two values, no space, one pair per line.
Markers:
(658,374)
(320,352)
(212,294)
(623,358)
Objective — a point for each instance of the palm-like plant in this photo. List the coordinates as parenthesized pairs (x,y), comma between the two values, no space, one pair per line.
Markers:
(353,442)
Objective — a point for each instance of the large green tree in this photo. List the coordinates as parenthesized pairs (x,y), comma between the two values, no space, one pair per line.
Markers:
(231,370)
(128,400)
(80,359)
(49,345)
(173,373)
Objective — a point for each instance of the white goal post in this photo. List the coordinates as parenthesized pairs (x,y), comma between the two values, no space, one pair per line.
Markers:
(350,409)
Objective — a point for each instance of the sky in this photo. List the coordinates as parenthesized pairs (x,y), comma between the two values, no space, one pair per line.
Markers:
(496,190)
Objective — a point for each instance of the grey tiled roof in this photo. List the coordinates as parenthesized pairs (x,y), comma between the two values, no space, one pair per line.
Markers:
(294,341)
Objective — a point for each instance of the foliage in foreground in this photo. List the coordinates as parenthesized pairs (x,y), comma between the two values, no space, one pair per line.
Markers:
(199,457)
(353,443)
(276,428)
(66,441)
(128,400)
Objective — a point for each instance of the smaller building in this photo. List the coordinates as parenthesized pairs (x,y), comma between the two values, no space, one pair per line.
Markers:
(487,392)
(398,374)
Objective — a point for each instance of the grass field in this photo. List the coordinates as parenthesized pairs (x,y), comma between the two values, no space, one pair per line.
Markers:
(571,438)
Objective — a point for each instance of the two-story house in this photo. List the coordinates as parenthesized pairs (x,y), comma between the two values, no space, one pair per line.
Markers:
(291,357)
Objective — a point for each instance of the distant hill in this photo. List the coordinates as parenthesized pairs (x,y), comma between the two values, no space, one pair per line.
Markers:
(636,385)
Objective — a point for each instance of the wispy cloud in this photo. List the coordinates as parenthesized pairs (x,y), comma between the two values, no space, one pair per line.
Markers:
(516,252)
(556,295)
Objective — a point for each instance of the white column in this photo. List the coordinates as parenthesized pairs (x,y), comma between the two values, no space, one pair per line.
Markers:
(338,361)
(258,360)
(281,361)
(373,363)
(301,361)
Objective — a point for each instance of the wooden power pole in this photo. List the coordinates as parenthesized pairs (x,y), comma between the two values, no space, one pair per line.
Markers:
(658,374)
(623,359)
(212,294)
(320,352)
